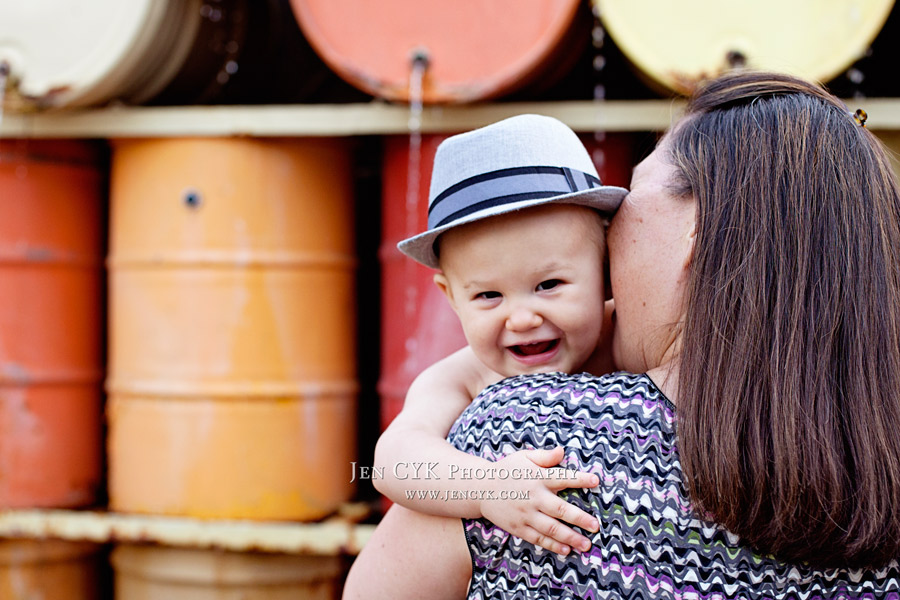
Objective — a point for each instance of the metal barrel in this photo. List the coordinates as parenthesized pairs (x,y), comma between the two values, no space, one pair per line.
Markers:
(686,42)
(51,293)
(49,569)
(231,378)
(161,573)
(159,51)
(418,325)
(473,50)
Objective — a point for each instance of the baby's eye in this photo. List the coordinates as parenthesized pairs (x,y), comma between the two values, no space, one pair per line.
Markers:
(548,285)
(487,295)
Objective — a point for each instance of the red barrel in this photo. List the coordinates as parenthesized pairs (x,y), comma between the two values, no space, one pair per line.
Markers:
(51,323)
(418,325)
(474,50)
(614,154)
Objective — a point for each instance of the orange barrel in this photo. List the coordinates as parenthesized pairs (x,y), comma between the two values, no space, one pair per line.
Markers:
(474,50)
(418,325)
(687,41)
(160,573)
(170,51)
(37,569)
(232,390)
(51,294)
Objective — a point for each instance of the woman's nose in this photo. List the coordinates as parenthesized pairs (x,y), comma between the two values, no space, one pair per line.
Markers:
(522,318)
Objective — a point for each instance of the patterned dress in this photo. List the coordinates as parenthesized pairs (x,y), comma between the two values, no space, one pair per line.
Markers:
(651,544)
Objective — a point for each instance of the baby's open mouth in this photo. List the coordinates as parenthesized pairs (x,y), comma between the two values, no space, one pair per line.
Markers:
(535,348)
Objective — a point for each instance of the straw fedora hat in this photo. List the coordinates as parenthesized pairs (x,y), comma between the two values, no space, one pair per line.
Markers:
(516,163)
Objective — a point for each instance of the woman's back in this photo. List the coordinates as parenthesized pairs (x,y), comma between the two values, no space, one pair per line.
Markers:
(651,543)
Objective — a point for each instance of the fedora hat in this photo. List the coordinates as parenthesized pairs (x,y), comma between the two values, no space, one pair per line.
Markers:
(516,163)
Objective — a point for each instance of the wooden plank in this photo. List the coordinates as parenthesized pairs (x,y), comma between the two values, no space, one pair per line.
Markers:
(339,535)
(374,118)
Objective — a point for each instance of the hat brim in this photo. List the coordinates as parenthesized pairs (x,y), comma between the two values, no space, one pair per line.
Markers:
(420,248)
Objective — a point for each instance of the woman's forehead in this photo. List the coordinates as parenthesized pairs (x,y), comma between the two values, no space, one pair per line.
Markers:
(648,162)
(659,149)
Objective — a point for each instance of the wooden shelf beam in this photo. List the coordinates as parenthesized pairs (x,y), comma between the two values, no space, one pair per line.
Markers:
(335,536)
(374,118)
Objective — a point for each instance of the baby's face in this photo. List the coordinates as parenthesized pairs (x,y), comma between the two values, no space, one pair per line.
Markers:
(528,287)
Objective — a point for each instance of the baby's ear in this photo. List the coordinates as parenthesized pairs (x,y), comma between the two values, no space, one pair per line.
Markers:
(440,280)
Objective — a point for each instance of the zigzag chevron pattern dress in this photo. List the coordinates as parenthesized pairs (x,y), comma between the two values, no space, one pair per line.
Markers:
(651,544)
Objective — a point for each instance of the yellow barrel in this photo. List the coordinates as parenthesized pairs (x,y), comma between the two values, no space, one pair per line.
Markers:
(159,573)
(231,381)
(37,569)
(677,44)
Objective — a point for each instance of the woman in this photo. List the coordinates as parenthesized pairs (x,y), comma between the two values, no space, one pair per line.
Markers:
(756,271)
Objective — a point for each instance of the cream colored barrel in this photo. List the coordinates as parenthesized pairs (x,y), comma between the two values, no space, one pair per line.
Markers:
(677,44)
(80,53)
(159,573)
(231,383)
(64,54)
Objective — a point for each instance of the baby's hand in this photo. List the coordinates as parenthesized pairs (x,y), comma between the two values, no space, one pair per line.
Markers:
(536,513)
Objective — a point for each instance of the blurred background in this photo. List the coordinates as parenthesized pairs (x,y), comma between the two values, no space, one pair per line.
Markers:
(204,320)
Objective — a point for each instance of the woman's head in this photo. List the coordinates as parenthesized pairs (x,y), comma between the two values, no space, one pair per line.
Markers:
(650,242)
(790,352)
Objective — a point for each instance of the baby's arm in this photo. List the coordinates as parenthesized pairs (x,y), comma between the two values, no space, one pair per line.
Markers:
(424,472)
(434,401)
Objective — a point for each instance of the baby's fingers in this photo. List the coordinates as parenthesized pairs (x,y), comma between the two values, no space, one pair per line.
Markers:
(545,458)
(557,537)
(561,479)
(533,536)
(559,510)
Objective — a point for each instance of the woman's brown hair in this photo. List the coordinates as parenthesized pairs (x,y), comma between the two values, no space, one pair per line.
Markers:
(789,397)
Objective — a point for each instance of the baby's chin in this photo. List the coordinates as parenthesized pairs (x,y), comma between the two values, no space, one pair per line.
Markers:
(538,369)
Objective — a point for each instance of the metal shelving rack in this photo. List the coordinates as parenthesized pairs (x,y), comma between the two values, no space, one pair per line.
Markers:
(343,533)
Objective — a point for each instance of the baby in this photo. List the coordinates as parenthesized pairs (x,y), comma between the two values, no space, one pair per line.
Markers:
(516,228)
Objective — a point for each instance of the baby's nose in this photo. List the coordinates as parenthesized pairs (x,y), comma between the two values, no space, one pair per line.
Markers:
(522,319)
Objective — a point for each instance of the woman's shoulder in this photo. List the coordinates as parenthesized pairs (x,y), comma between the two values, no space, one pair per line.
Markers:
(581,396)
(619,384)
